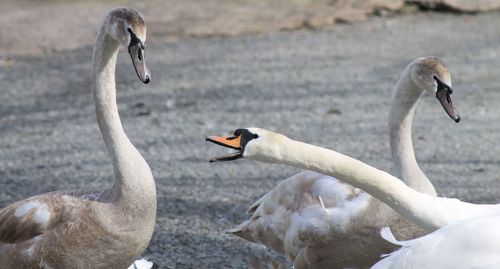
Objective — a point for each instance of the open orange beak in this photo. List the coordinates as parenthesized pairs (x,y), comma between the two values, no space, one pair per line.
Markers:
(233,142)
(237,141)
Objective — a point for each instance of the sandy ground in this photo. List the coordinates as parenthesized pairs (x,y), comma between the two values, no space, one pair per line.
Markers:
(328,87)
(34,27)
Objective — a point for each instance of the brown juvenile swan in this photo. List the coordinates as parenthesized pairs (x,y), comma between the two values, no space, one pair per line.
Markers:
(103,229)
(290,219)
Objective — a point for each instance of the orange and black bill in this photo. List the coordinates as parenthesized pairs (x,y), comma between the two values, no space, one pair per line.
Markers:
(237,141)
(232,142)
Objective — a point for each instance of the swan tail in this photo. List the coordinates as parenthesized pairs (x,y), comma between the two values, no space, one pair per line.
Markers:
(248,230)
(251,210)
(239,230)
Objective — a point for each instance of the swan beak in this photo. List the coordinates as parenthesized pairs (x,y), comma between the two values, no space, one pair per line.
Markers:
(233,142)
(444,97)
(136,52)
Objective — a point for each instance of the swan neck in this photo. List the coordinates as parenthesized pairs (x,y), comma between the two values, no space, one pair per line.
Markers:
(104,93)
(133,180)
(381,185)
(403,105)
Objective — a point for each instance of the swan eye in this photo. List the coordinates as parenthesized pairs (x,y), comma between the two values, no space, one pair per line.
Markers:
(134,40)
(436,79)
(442,86)
(245,135)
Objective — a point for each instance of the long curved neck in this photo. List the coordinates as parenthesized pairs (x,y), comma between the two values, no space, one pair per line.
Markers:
(133,180)
(428,212)
(410,203)
(403,104)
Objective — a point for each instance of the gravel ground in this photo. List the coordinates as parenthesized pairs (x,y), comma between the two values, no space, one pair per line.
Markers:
(328,87)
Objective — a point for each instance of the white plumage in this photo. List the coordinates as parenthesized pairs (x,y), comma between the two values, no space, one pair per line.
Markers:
(466,244)
(142,264)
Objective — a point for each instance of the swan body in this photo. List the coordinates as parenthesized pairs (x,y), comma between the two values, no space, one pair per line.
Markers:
(313,218)
(472,243)
(82,229)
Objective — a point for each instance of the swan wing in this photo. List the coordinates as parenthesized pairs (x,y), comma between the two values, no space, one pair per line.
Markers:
(31,217)
(293,214)
(473,243)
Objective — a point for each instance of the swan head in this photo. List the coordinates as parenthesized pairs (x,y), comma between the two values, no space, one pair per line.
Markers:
(128,27)
(255,143)
(431,74)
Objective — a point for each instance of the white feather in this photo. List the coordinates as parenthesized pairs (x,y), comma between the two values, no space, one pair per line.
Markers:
(387,234)
(141,264)
(41,213)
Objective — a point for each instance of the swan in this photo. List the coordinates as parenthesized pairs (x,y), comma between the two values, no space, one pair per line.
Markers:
(428,212)
(102,229)
(279,216)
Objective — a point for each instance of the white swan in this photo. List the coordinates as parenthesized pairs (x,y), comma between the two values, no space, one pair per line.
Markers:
(428,212)
(104,229)
(280,218)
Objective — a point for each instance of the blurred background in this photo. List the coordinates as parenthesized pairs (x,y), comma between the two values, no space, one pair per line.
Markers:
(34,26)
(320,71)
